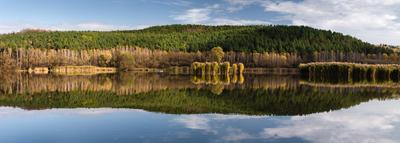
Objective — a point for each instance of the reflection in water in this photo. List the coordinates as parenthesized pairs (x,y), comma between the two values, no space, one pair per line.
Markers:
(374,121)
(256,95)
(131,83)
(218,79)
(108,108)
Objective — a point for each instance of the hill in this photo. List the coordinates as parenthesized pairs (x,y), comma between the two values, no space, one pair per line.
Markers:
(191,38)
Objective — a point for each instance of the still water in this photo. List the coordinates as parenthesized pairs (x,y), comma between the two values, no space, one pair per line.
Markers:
(131,107)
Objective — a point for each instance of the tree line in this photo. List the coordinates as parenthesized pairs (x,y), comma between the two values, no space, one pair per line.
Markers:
(349,72)
(180,45)
(127,58)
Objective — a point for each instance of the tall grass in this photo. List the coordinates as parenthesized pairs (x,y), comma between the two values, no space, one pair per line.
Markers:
(336,71)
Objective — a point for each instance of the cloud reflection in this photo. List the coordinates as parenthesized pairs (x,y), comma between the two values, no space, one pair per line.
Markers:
(375,121)
(370,122)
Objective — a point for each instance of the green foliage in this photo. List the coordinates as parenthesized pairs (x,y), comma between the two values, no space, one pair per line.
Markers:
(281,39)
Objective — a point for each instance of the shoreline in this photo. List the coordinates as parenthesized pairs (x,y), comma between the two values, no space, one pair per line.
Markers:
(92,70)
(70,70)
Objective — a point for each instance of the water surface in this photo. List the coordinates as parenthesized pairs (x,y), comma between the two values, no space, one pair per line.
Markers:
(132,107)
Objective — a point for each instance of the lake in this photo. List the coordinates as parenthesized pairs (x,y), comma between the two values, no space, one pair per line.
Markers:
(133,107)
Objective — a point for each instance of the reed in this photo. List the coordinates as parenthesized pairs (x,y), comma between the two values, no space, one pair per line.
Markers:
(337,71)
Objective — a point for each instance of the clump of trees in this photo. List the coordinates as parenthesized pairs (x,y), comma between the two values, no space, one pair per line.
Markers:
(217,54)
(217,67)
(124,61)
(345,72)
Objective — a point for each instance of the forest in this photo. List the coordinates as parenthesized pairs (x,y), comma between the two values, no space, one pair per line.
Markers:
(181,45)
(193,38)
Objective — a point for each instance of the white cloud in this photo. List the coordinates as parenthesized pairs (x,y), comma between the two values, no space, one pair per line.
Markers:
(197,15)
(374,21)
(242,2)
(236,5)
(9,28)
(172,2)
(16,27)
(224,21)
(209,16)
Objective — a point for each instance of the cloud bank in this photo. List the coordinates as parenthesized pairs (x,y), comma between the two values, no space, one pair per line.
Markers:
(16,27)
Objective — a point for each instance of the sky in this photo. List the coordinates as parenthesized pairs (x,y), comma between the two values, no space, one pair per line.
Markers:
(374,21)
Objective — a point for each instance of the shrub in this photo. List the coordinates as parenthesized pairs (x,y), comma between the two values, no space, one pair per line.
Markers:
(124,61)
(217,54)
(103,60)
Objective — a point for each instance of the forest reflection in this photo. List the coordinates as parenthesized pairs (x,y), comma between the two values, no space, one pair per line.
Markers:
(131,83)
(250,94)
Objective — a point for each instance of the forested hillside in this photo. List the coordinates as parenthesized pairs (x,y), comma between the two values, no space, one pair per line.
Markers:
(192,38)
(181,45)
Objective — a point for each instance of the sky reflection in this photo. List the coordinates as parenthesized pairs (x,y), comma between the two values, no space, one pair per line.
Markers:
(374,121)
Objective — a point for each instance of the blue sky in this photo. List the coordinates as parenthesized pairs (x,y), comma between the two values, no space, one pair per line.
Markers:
(375,21)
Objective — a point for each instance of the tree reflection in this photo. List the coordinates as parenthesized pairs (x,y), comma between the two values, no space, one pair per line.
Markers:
(257,95)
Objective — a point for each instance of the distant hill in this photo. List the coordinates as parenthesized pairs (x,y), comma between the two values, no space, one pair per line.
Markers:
(262,38)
